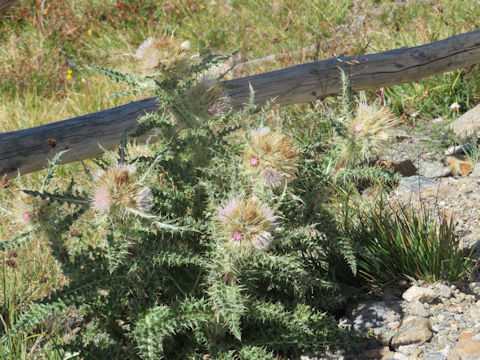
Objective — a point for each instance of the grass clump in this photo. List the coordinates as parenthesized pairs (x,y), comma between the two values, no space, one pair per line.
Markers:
(395,242)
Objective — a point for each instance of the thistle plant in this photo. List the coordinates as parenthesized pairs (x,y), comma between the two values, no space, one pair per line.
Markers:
(199,258)
(363,130)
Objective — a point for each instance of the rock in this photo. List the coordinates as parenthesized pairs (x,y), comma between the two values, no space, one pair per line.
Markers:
(408,349)
(435,356)
(414,330)
(458,149)
(400,356)
(453,309)
(460,296)
(433,169)
(379,353)
(459,165)
(467,123)
(417,308)
(404,167)
(391,294)
(394,325)
(465,349)
(375,316)
(470,298)
(415,184)
(475,287)
(416,293)
(444,291)
(476,171)
(474,314)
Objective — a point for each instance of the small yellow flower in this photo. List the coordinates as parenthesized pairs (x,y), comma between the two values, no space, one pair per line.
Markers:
(69,74)
(89,32)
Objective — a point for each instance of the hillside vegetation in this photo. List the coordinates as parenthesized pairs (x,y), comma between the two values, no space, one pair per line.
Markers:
(115,283)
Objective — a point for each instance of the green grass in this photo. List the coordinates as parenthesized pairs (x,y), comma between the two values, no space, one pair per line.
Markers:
(396,242)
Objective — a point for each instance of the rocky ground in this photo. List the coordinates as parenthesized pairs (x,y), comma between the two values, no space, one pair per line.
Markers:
(435,321)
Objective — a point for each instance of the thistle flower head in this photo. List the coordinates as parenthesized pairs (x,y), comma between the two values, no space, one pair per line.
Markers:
(164,54)
(271,156)
(247,225)
(206,98)
(32,212)
(117,190)
(371,129)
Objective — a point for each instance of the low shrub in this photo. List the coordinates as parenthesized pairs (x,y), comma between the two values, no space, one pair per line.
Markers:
(216,243)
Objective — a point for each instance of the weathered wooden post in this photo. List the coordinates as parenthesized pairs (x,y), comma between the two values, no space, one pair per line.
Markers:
(28,150)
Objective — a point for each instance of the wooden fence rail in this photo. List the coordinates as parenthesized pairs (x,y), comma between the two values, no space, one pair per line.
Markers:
(28,150)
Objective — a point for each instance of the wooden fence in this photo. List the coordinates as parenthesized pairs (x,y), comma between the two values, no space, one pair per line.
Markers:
(29,150)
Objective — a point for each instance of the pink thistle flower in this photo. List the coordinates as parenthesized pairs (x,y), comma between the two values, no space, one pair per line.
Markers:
(101,199)
(26,216)
(144,200)
(253,161)
(225,213)
(237,236)
(357,129)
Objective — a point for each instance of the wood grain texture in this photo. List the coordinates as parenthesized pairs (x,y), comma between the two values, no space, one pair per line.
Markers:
(316,80)
(28,150)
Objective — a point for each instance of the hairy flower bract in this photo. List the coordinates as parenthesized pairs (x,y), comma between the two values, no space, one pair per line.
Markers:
(271,156)
(247,225)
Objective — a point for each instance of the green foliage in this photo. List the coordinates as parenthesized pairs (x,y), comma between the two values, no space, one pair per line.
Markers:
(397,242)
(166,282)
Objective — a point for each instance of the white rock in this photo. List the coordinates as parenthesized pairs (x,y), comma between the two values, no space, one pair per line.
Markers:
(417,308)
(415,293)
(467,123)
(400,356)
(444,291)
(457,150)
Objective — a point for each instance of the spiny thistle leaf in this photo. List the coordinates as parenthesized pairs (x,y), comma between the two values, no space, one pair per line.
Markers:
(117,76)
(31,318)
(162,321)
(52,165)
(17,241)
(229,305)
